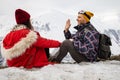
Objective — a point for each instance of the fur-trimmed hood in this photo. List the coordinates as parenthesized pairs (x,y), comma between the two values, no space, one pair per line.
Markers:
(20,46)
(18,27)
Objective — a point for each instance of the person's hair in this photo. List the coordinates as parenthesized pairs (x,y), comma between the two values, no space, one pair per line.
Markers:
(28,24)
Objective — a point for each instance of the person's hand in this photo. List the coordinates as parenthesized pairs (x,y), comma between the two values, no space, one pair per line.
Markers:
(71,40)
(68,24)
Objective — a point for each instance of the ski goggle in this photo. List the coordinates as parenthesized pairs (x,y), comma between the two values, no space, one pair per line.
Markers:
(81,12)
(84,12)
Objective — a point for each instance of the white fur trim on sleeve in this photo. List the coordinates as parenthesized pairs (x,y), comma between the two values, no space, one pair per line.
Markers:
(20,47)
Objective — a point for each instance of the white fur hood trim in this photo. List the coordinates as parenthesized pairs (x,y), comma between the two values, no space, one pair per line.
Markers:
(20,47)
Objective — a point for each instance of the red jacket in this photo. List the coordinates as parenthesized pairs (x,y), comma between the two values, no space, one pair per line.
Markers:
(24,47)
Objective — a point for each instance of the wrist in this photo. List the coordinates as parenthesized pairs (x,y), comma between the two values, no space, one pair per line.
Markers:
(66,30)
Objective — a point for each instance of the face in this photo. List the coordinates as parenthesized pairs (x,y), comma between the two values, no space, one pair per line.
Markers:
(80,19)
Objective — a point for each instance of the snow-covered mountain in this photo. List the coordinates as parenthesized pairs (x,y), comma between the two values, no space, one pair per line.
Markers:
(51,25)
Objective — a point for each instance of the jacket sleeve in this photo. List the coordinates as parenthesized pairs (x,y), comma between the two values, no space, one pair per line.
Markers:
(67,34)
(46,43)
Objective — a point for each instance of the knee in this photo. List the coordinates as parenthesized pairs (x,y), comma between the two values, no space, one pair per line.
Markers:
(66,42)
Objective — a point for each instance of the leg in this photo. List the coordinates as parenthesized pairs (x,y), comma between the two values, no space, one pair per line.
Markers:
(78,57)
(62,52)
(67,46)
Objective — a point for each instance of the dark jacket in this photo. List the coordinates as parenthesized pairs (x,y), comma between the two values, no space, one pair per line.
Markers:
(85,40)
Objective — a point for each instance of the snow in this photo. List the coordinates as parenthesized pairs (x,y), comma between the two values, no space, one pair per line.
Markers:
(108,70)
(50,24)
(50,28)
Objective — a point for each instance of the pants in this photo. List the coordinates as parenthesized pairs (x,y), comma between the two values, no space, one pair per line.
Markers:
(67,46)
(47,52)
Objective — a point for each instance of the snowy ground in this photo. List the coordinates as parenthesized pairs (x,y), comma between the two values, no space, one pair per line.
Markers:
(108,70)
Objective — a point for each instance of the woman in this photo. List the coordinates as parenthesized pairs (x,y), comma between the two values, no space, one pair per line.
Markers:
(25,47)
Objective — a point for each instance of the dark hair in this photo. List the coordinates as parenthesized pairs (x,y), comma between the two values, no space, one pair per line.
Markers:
(28,24)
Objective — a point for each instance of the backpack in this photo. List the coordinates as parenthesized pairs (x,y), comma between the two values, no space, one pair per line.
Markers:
(104,51)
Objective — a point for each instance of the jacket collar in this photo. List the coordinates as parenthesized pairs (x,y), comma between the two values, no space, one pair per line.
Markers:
(82,26)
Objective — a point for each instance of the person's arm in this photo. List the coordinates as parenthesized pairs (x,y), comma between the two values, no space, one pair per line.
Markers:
(67,33)
(46,43)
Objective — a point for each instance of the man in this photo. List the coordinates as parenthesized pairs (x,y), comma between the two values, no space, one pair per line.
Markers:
(83,45)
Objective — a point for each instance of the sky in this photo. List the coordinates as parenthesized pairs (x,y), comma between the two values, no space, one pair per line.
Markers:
(38,7)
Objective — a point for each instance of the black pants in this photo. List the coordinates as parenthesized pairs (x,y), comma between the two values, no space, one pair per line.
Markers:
(47,52)
(67,46)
